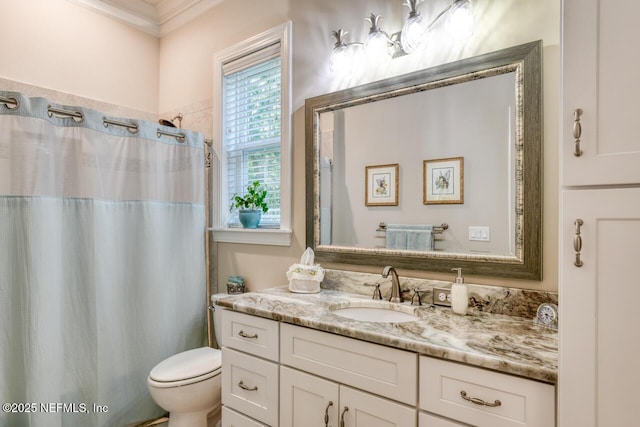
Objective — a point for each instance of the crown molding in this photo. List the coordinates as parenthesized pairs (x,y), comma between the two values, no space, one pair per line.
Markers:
(173,14)
(158,20)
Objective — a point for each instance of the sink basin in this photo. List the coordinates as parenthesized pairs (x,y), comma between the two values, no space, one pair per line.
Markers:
(372,311)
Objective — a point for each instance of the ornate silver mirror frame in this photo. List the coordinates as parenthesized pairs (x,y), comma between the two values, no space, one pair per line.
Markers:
(526,263)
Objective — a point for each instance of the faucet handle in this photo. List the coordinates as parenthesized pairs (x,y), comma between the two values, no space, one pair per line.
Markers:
(416,296)
(376,292)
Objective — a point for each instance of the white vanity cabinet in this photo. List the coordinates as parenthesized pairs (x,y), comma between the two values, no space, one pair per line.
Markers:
(599,215)
(600,92)
(482,398)
(311,401)
(334,365)
(319,379)
(599,338)
(250,370)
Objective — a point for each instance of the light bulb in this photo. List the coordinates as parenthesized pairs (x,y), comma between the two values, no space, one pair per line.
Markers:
(376,46)
(460,20)
(413,34)
(341,61)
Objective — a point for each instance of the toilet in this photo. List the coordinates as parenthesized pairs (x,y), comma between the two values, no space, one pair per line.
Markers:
(188,384)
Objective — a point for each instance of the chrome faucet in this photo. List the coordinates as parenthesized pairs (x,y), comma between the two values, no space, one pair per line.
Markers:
(396,293)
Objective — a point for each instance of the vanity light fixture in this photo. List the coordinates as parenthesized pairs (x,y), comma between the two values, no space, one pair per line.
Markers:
(376,47)
(343,54)
(413,34)
(380,46)
(460,20)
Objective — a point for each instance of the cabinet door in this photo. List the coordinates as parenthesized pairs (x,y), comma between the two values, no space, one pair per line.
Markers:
(599,338)
(600,69)
(307,400)
(360,409)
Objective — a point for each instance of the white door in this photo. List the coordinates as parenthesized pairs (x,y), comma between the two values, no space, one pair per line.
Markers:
(359,409)
(599,372)
(307,400)
(601,65)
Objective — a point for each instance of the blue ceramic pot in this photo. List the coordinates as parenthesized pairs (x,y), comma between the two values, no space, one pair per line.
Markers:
(250,218)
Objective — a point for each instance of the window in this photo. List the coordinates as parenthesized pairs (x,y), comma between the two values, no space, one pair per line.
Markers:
(252,123)
(251,127)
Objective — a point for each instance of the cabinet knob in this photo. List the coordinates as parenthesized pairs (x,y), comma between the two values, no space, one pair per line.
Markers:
(478,401)
(346,408)
(577,242)
(244,387)
(577,132)
(326,414)
(244,335)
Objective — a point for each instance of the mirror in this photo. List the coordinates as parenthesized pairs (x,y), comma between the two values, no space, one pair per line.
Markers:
(432,170)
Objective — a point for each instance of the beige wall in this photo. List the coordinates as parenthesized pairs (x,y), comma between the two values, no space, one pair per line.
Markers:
(58,45)
(186,54)
(186,72)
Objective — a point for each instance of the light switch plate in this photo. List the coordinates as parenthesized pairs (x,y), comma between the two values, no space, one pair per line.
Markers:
(480,234)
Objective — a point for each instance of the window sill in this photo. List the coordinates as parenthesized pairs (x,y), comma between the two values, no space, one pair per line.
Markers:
(259,236)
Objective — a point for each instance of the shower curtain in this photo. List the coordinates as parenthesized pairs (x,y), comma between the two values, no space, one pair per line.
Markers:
(102,267)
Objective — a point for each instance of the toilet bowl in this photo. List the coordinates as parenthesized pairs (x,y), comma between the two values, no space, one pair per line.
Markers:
(188,386)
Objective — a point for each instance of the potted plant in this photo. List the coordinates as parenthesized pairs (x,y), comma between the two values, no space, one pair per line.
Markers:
(251,205)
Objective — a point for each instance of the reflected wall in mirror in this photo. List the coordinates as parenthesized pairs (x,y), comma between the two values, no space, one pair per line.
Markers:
(485,110)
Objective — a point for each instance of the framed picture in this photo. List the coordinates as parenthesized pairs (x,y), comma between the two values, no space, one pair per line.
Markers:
(381,185)
(443,181)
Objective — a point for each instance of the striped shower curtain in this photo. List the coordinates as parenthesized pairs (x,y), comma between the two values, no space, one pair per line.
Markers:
(102,267)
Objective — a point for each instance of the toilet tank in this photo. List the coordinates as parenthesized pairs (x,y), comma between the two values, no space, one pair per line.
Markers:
(217,316)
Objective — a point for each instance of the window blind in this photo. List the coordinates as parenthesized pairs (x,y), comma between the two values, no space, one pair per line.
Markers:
(251,126)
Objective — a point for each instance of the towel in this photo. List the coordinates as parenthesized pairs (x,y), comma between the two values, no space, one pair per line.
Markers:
(419,240)
(396,239)
(410,226)
(413,237)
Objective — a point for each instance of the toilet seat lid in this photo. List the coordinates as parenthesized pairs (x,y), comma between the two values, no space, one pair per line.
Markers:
(188,364)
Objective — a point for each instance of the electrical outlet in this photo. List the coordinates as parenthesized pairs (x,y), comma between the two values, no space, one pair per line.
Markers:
(442,296)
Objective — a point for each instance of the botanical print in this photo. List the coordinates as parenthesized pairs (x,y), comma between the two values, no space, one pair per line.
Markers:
(443,181)
(381,184)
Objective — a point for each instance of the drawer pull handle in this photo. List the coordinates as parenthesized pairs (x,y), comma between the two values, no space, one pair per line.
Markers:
(577,132)
(326,414)
(244,387)
(577,242)
(244,335)
(477,401)
(346,408)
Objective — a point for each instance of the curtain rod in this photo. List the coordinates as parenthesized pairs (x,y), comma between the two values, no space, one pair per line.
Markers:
(10,103)
(131,127)
(75,115)
(13,103)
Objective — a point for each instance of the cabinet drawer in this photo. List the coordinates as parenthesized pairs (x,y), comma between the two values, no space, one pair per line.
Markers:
(430,420)
(231,418)
(250,385)
(518,402)
(378,369)
(250,334)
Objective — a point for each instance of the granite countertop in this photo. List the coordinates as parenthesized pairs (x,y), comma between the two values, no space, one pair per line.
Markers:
(502,343)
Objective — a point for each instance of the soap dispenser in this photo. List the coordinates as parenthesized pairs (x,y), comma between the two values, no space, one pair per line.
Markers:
(459,294)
